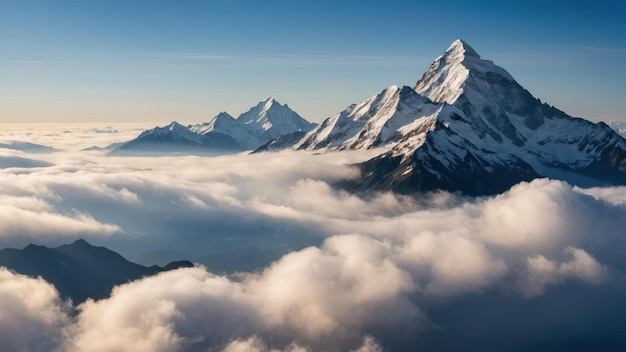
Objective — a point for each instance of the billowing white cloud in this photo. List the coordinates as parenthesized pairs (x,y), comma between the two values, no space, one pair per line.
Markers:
(172,311)
(613,195)
(331,294)
(32,219)
(377,262)
(255,344)
(32,316)
(542,271)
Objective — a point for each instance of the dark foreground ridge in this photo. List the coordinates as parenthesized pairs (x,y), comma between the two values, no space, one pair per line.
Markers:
(79,270)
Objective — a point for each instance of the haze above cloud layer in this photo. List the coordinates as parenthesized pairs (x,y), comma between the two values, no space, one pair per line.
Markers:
(335,271)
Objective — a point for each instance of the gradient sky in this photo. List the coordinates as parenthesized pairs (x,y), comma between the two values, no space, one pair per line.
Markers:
(157,61)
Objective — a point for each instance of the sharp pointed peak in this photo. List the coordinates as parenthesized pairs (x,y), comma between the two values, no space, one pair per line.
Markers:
(445,80)
(80,243)
(391,88)
(461,47)
(224,114)
(269,101)
(174,124)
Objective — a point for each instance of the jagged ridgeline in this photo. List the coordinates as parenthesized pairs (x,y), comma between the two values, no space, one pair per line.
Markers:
(468,126)
(223,134)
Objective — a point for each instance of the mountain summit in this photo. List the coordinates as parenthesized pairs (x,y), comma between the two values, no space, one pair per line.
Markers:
(269,119)
(459,69)
(468,126)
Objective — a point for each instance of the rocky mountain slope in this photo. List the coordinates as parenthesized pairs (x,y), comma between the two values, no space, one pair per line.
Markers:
(468,126)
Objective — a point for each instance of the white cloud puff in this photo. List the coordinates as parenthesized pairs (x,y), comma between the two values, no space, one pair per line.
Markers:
(32,316)
(542,271)
(330,294)
(32,219)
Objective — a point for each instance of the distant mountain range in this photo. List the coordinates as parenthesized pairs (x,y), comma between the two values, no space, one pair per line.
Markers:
(79,270)
(466,126)
(223,134)
(27,147)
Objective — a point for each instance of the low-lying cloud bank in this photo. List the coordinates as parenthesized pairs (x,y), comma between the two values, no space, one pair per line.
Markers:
(365,273)
(345,293)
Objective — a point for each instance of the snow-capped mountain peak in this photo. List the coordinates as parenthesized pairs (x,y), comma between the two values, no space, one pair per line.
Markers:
(270,119)
(175,130)
(221,120)
(223,133)
(460,48)
(268,102)
(469,126)
(447,78)
(224,124)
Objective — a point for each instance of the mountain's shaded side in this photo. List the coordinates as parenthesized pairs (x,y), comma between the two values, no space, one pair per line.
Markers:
(222,134)
(468,126)
(79,270)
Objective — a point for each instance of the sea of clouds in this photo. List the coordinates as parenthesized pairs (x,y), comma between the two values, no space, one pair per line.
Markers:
(347,272)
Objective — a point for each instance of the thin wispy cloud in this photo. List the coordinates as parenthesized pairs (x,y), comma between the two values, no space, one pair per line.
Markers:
(340,60)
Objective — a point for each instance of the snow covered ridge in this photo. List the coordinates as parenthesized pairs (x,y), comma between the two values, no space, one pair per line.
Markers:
(468,126)
(222,134)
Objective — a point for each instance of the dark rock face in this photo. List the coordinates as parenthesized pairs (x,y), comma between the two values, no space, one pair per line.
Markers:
(79,270)
(406,176)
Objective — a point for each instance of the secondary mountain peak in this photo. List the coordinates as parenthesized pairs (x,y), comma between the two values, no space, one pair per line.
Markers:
(224,115)
(268,100)
(261,109)
(174,131)
(270,119)
(222,134)
(175,126)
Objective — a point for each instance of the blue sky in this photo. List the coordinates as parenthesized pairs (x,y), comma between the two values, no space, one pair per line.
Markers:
(157,61)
